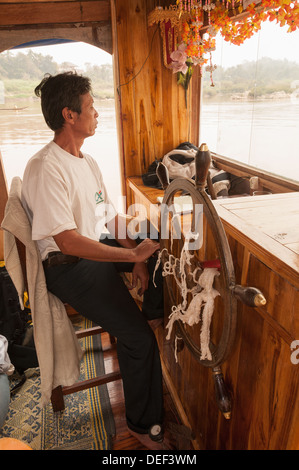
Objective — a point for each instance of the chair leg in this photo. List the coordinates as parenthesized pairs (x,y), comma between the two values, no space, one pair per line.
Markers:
(112,339)
(57,399)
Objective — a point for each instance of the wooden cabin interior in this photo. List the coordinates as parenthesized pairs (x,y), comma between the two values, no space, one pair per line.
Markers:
(152,119)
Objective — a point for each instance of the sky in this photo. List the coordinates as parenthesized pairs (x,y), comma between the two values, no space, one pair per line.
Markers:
(272,41)
(78,53)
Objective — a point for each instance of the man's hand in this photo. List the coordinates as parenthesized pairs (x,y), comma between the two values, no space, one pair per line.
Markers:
(140,272)
(145,250)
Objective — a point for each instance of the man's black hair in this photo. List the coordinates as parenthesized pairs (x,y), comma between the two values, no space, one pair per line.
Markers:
(60,91)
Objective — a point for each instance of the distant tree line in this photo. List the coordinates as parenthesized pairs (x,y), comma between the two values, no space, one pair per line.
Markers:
(21,72)
(26,66)
(262,77)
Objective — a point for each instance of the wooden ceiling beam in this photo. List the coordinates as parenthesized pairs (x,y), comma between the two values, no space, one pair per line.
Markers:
(42,1)
(38,12)
(97,34)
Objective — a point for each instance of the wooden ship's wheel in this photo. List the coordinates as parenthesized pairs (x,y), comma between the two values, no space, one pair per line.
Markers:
(199,273)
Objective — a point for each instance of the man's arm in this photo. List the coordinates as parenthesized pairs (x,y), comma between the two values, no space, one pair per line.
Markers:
(70,242)
(118,228)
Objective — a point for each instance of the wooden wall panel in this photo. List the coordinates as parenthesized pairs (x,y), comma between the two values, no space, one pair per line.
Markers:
(262,380)
(152,107)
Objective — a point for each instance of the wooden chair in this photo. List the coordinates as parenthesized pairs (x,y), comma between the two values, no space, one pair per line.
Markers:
(57,398)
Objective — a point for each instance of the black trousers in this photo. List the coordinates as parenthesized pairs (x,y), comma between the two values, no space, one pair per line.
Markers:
(96,291)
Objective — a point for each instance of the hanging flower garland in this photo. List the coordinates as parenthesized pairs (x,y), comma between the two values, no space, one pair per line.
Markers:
(196,48)
(285,12)
(183,66)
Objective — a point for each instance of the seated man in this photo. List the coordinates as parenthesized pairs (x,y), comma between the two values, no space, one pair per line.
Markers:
(61,193)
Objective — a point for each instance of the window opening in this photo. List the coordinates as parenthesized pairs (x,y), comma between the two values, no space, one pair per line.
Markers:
(252,113)
(22,128)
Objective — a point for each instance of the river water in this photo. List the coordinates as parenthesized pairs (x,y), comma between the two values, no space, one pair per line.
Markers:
(262,134)
(24,132)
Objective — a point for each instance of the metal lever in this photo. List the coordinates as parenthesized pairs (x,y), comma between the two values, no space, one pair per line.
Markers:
(202,166)
(250,296)
(221,393)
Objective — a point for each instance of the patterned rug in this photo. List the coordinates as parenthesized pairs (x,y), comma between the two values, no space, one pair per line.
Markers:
(86,423)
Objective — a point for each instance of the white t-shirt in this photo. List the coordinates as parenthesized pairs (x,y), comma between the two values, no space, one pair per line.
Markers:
(63,192)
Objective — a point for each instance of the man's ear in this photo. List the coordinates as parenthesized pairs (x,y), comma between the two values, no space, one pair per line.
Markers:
(68,115)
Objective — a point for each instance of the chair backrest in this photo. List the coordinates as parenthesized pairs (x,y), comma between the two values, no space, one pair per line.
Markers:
(3,201)
(20,246)
(22,255)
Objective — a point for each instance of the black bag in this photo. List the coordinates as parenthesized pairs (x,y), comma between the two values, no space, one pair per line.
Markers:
(225,184)
(16,326)
(151,179)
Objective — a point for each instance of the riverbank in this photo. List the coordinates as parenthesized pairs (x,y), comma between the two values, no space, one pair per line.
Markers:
(19,89)
(15,104)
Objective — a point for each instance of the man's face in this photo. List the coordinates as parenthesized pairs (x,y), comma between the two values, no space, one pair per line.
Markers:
(86,122)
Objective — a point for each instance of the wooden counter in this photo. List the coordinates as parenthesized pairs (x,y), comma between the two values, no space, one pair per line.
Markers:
(263,234)
(269,226)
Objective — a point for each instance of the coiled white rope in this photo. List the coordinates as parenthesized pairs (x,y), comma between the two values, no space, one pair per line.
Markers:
(203,294)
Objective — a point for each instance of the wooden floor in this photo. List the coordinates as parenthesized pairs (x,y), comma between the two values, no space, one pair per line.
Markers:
(123,439)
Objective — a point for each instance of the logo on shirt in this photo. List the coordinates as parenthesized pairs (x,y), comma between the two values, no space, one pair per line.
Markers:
(99,197)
